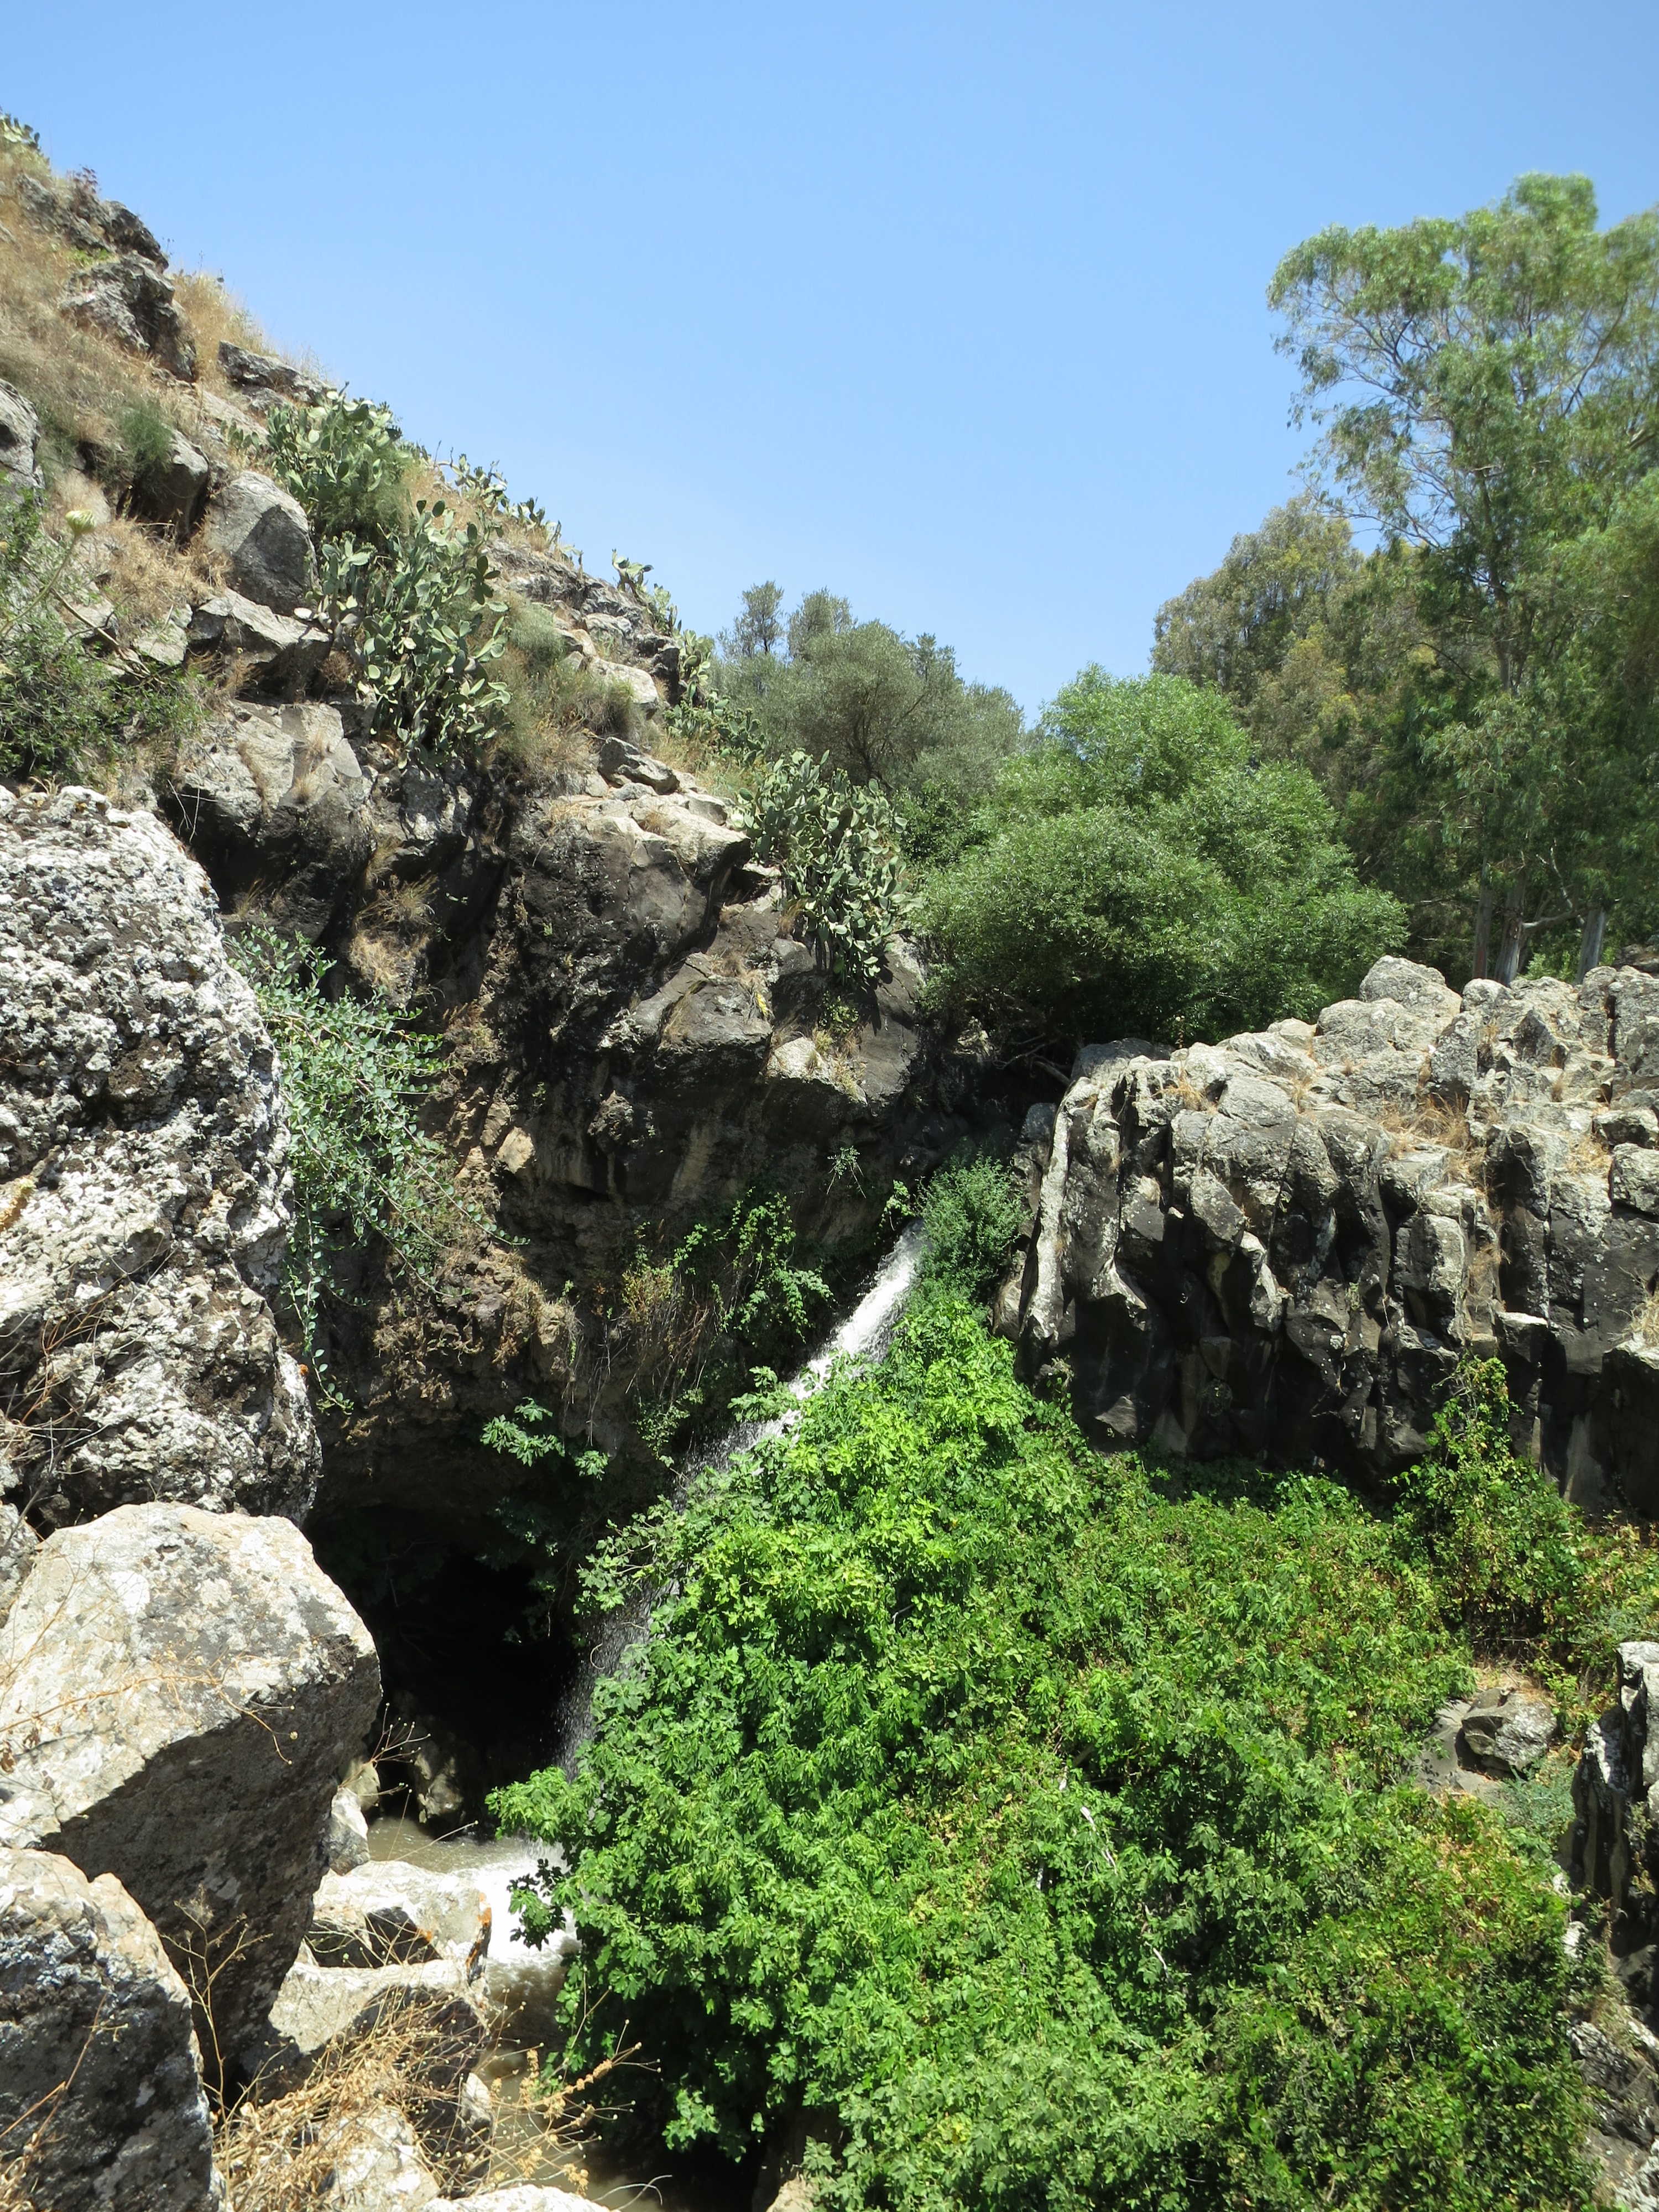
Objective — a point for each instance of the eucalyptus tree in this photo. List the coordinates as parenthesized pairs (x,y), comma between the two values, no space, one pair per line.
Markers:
(1486,388)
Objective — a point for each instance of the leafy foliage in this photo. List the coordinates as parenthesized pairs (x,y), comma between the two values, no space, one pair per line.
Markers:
(838,845)
(1518,1570)
(62,709)
(354,1077)
(420,624)
(1036,1835)
(1139,871)
(971,1213)
(875,706)
(345,461)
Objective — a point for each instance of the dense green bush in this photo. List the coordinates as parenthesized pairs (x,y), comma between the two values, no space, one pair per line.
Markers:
(1138,871)
(972,1212)
(63,710)
(1037,1836)
(354,1077)
(1518,1569)
(838,845)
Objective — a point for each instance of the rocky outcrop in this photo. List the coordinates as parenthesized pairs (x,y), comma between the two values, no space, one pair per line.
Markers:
(20,434)
(1283,1244)
(261,532)
(319,2012)
(179,1691)
(101,2105)
(128,298)
(143,1184)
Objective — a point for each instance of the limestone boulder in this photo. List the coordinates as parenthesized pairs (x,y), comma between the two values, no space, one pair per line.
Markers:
(270,652)
(321,2012)
(374,2164)
(171,491)
(1507,1732)
(348,1832)
(386,1913)
(101,2084)
(179,1691)
(263,379)
(276,795)
(128,298)
(20,434)
(143,1183)
(261,532)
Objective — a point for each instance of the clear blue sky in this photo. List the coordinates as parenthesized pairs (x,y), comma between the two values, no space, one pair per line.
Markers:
(957,309)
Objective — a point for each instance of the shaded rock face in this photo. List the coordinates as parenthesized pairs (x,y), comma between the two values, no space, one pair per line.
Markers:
(129,300)
(20,434)
(179,1691)
(1283,1244)
(261,532)
(143,1184)
(101,2084)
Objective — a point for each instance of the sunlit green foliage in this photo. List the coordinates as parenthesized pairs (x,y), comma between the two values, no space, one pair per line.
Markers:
(1140,872)
(838,845)
(365,1172)
(1037,1835)
(344,460)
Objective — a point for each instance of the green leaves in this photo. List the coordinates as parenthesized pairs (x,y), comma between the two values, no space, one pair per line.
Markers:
(344,460)
(1138,872)
(838,845)
(354,1077)
(1041,1831)
(420,624)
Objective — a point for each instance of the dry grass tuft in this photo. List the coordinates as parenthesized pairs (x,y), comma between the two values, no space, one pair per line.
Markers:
(1644,1328)
(280,2154)
(215,313)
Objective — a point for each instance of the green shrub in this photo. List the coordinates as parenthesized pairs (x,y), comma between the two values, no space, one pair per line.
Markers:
(1139,872)
(365,1172)
(62,709)
(143,442)
(346,463)
(972,1212)
(1517,1568)
(421,625)
(838,846)
(1037,1836)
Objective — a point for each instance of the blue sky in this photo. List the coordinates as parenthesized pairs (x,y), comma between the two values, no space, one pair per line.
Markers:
(959,310)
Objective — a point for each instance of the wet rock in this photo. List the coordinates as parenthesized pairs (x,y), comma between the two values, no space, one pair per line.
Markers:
(20,434)
(435,1760)
(143,1182)
(1507,1732)
(348,1834)
(178,1691)
(129,300)
(276,795)
(101,2083)
(385,1913)
(261,532)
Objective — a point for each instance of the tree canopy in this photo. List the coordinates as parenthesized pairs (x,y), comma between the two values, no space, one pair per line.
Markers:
(1140,870)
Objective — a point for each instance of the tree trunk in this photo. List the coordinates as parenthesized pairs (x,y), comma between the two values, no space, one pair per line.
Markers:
(1515,936)
(1591,939)
(1479,965)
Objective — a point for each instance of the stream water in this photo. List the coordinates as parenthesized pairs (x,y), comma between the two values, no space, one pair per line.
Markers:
(524,1982)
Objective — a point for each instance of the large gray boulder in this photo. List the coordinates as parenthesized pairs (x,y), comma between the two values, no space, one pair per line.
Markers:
(276,795)
(1285,1243)
(128,298)
(100,2085)
(266,652)
(171,491)
(20,434)
(387,1913)
(261,532)
(179,1691)
(321,2012)
(143,1183)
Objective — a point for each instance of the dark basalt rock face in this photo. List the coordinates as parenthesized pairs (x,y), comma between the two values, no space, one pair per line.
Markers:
(1283,1244)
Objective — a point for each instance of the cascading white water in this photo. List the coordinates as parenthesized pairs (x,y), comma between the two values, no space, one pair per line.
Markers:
(863,1334)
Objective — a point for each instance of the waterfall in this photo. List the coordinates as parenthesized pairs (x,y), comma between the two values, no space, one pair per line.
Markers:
(865,1333)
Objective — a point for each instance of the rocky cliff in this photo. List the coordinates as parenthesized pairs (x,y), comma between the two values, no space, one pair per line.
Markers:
(1283,1244)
